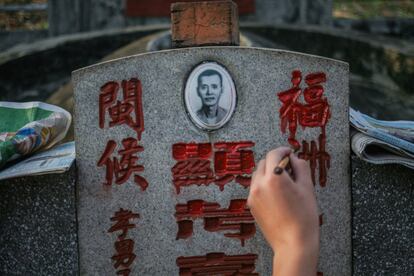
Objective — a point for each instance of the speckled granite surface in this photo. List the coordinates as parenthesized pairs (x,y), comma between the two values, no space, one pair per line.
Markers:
(38,225)
(383,219)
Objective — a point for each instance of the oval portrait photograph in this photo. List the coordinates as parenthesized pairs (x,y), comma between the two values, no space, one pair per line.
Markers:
(210,95)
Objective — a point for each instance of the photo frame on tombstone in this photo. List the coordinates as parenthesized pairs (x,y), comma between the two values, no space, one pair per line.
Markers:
(210,96)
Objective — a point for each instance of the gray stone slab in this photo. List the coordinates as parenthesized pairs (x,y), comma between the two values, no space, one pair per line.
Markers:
(258,75)
(38,225)
(383,219)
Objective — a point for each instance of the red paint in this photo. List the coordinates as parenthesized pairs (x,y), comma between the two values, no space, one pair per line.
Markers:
(315,78)
(107,96)
(236,217)
(192,172)
(125,256)
(123,272)
(193,166)
(318,157)
(106,160)
(124,247)
(182,151)
(128,111)
(232,161)
(315,112)
(290,110)
(122,223)
(125,166)
(161,8)
(185,229)
(218,264)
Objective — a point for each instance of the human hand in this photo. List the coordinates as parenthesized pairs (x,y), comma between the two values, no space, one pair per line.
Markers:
(286,211)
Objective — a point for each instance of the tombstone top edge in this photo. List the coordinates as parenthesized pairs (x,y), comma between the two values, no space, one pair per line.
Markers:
(190,50)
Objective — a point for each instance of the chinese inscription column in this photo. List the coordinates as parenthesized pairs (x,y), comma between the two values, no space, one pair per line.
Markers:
(218,164)
(314,113)
(124,247)
(121,163)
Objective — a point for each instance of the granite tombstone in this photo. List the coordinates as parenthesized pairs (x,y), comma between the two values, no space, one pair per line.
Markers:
(158,194)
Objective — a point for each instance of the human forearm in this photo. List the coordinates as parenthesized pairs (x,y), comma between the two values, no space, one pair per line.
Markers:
(296,260)
(284,206)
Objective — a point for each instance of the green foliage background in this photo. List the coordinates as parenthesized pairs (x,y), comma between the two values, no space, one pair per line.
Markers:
(35,20)
(368,9)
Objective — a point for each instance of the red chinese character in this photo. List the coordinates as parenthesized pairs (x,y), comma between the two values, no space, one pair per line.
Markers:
(193,166)
(237,218)
(233,160)
(217,264)
(314,113)
(121,112)
(123,168)
(122,222)
(125,255)
(290,108)
(317,157)
(124,247)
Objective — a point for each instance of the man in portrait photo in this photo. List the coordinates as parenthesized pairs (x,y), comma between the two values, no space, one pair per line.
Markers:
(210,89)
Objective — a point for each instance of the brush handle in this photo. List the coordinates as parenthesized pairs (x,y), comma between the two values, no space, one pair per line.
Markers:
(281,166)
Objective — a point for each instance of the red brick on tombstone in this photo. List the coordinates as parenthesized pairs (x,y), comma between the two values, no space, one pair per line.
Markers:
(204,23)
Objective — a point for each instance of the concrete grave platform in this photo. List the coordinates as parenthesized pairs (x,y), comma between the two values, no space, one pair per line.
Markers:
(38,225)
(383,219)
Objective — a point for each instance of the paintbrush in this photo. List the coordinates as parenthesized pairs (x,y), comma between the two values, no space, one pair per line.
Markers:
(282,165)
(278,170)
